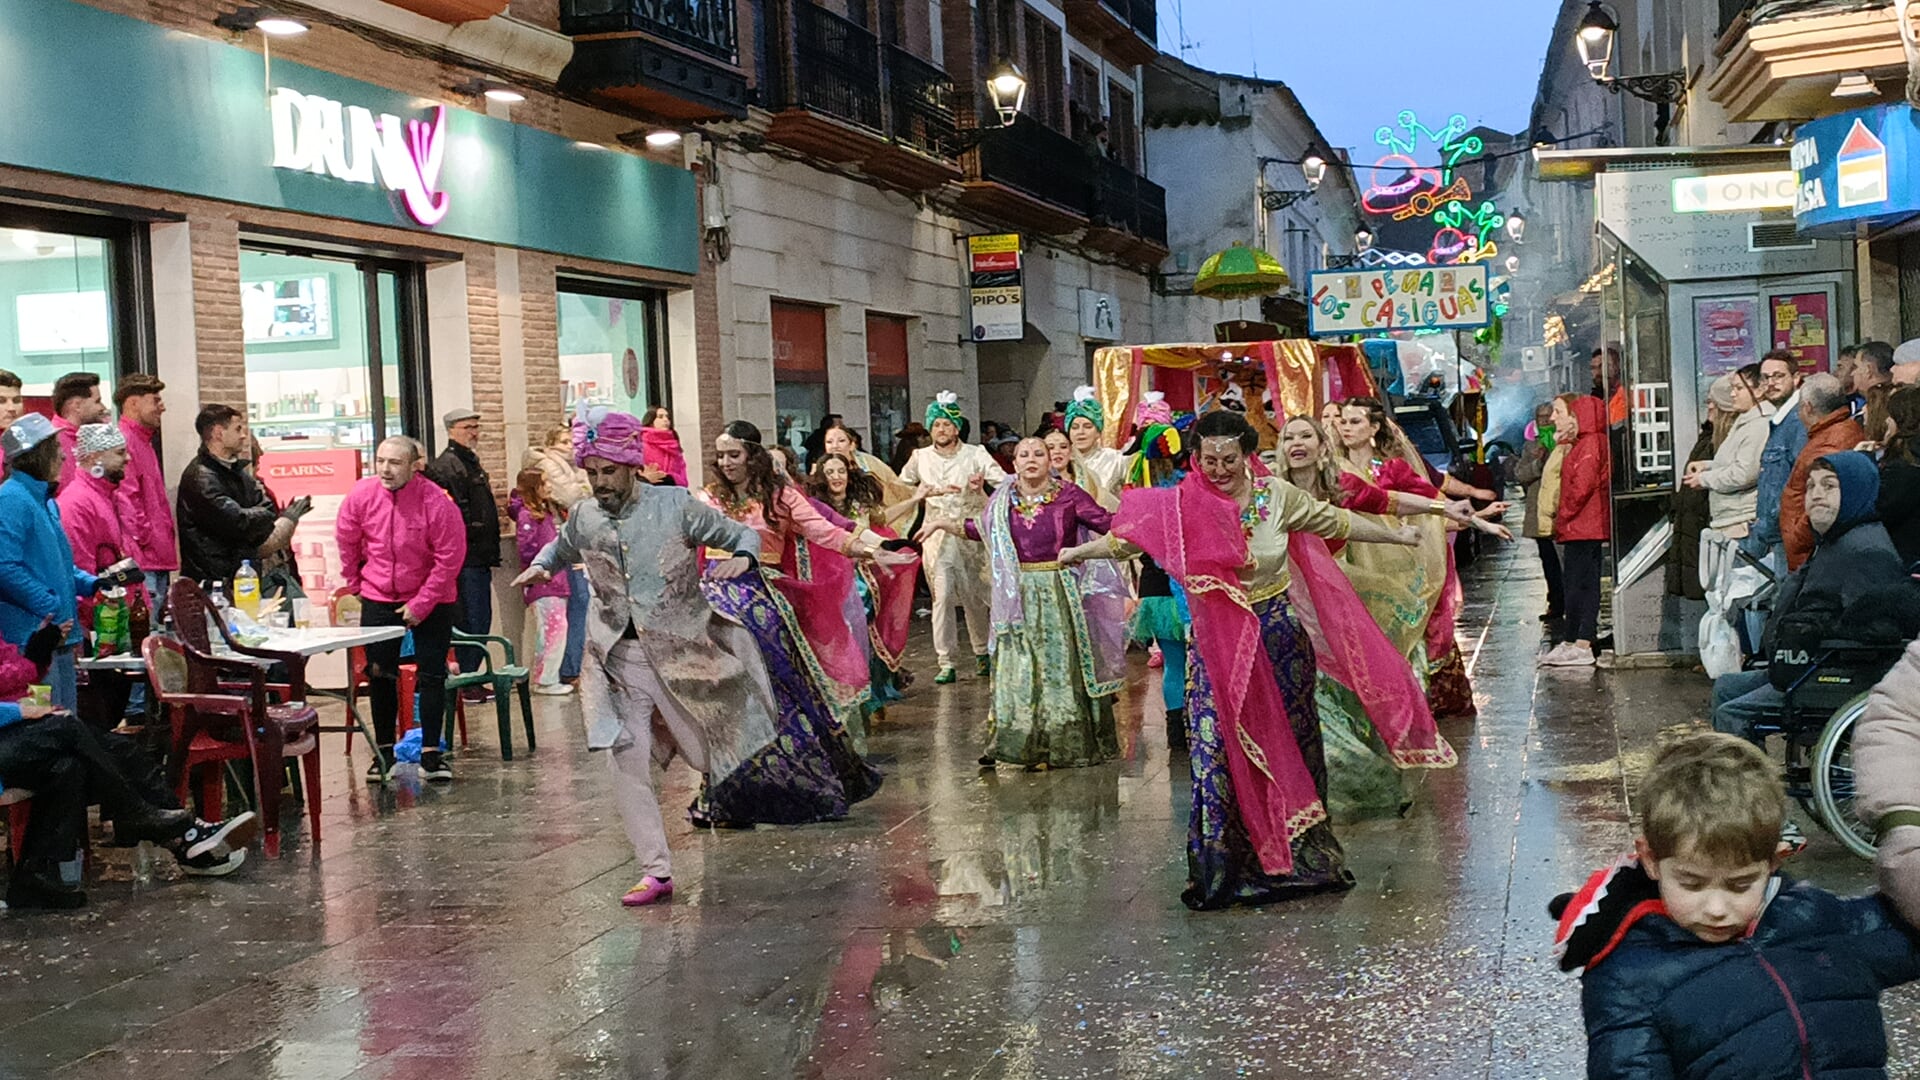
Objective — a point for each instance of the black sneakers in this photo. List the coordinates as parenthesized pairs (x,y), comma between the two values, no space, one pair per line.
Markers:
(382,755)
(216,838)
(433,766)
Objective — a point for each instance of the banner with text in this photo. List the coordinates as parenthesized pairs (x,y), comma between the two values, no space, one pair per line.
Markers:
(1422,298)
(998,299)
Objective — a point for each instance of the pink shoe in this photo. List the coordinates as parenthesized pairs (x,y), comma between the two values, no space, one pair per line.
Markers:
(651,890)
(1154,657)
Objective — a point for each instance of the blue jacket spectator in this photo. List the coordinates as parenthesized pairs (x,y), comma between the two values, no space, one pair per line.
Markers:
(38,580)
(1798,997)
(1784,443)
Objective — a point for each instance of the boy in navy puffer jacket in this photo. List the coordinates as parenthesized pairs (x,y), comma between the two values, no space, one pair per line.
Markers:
(1715,966)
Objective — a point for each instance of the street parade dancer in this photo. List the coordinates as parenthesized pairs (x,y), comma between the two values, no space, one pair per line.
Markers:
(806,622)
(886,594)
(1086,422)
(654,645)
(1059,654)
(953,476)
(1258,830)
(1374,716)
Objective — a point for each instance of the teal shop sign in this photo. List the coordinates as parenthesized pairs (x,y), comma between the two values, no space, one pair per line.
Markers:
(93,94)
(1856,168)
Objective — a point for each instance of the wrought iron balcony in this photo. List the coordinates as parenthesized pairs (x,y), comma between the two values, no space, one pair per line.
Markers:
(919,103)
(840,95)
(675,58)
(1038,161)
(1781,59)
(705,26)
(1130,203)
(834,67)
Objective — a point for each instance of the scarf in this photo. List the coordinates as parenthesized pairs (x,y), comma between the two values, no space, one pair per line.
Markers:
(1194,533)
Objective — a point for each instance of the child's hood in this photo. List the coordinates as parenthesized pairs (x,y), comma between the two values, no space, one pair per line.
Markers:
(1594,919)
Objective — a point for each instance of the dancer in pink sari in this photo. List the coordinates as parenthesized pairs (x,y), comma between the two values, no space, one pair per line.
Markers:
(1258,830)
(856,497)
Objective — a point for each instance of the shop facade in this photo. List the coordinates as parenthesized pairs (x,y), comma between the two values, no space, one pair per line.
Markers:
(341,259)
(1699,270)
(1854,182)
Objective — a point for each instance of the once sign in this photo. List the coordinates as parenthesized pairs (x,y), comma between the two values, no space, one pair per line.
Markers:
(1729,192)
(347,142)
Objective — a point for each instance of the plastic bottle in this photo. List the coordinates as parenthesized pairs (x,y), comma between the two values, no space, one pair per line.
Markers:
(110,623)
(246,589)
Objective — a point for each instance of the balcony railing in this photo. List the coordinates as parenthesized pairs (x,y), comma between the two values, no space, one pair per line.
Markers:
(1038,160)
(1758,11)
(705,26)
(839,69)
(919,102)
(836,66)
(1127,201)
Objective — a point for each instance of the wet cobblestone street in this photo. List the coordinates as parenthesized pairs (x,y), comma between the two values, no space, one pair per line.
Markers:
(1014,925)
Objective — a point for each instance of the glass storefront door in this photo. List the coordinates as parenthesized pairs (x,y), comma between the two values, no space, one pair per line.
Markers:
(335,363)
(71,299)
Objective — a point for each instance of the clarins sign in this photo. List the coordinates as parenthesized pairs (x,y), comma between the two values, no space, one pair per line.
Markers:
(349,143)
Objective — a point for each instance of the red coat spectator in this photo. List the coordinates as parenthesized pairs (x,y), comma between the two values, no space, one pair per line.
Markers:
(402,544)
(1831,429)
(1586,476)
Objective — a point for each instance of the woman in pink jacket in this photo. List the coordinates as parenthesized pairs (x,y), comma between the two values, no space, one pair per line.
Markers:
(1886,763)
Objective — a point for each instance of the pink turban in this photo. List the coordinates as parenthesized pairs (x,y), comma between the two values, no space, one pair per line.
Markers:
(614,436)
(1153,409)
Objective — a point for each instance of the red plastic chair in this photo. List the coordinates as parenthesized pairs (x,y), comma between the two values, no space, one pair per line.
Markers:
(218,710)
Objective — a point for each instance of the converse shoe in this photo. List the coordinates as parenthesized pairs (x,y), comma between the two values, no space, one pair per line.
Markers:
(552,689)
(216,837)
(212,865)
(946,676)
(651,890)
(433,766)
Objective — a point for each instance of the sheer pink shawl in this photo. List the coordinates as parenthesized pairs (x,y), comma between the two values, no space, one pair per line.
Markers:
(1194,533)
(1351,649)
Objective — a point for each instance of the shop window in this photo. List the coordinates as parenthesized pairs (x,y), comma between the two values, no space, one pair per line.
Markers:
(71,299)
(799,373)
(610,345)
(332,350)
(889,404)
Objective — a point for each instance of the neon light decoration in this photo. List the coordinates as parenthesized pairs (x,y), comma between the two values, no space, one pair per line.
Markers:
(1417,191)
(320,136)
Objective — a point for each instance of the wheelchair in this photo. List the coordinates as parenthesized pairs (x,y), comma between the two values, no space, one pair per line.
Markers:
(1824,695)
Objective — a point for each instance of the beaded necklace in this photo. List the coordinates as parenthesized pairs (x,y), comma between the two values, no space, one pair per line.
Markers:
(735,505)
(1028,506)
(1257,510)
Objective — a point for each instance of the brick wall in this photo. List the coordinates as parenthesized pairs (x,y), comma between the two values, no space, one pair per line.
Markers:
(540,314)
(214,239)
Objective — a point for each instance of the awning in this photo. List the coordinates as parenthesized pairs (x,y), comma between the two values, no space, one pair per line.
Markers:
(1577,165)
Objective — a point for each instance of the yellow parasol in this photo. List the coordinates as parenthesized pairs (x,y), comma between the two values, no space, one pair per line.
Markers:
(1238,273)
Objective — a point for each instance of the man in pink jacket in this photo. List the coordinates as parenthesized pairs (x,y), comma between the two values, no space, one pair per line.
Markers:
(402,542)
(88,509)
(144,506)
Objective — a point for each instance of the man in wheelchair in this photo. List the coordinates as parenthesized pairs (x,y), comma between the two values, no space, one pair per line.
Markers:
(1853,589)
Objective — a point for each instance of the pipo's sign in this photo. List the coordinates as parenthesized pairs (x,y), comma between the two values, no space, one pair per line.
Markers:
(1856,168)
(997,299)
(348,142)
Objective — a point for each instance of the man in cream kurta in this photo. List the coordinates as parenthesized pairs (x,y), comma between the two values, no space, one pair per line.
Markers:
(653,643)
(955,476)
